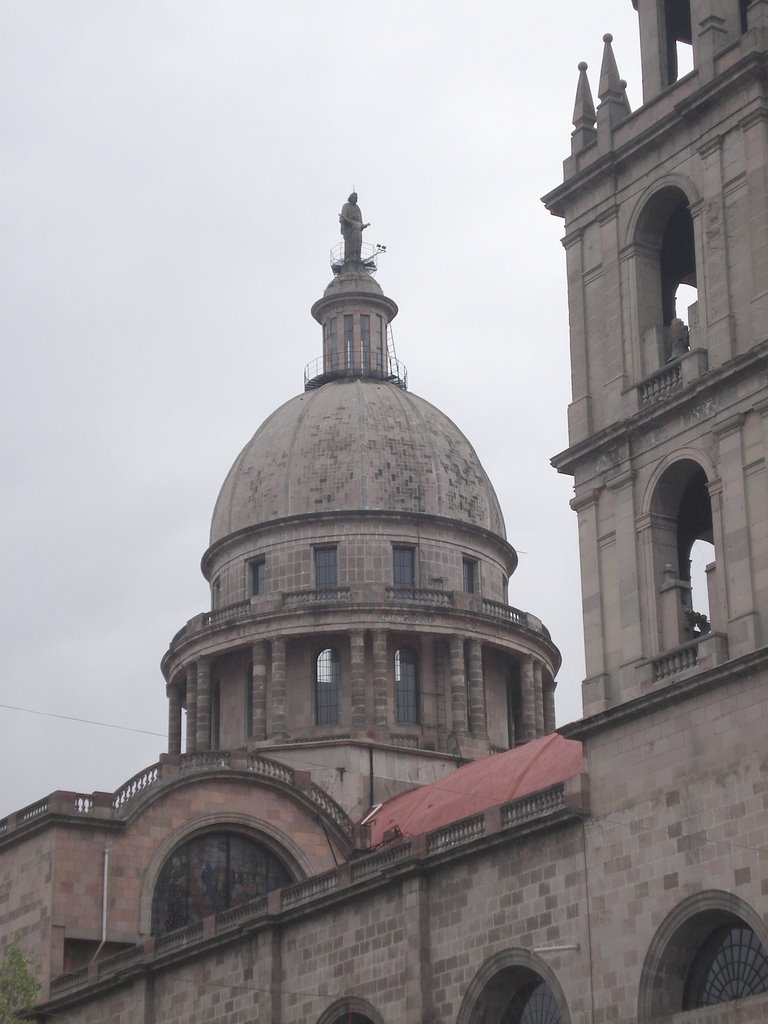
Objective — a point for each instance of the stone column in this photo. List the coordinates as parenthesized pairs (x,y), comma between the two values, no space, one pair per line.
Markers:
(259,684)
(203,704)
(538,693)
(458,686)
(380,679)
(550,720)
(528,698)
(357,678)
(627,616)
(439,667)
(192,707)
(755,128)
(713,261)
(279,730)
(737,555)
(579,411)
(174,719)
(477,719)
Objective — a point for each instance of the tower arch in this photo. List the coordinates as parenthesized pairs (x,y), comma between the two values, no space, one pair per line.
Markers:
(662,239)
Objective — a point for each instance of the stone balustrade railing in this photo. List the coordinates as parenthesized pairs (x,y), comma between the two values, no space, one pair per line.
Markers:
(456,833)
(242,611)
(674,662)
(401,856)
(660,385)
(326,595)
(505,611)
(127,798)
(420,595)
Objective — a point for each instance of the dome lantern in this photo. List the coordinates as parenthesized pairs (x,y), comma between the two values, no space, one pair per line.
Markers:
(354,313)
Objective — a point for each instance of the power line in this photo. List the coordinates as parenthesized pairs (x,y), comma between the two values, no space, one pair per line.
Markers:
(84,721)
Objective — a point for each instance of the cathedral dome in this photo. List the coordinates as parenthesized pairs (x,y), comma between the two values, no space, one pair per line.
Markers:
(356,444)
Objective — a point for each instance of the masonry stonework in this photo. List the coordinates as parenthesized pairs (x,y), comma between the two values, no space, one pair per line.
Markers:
(365,815)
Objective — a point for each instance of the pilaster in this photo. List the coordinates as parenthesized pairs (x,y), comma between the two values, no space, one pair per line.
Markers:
(538,697)
(278,730)
(458,686)
(477,716)
(259,684)
(528,697)
(380,680)
(742,620)
(357,679)
(203,704)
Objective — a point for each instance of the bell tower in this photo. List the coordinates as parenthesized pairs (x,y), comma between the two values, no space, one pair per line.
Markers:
(666,239)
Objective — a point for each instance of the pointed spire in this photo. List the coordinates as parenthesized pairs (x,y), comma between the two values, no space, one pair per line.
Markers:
(612,92)
(583,113)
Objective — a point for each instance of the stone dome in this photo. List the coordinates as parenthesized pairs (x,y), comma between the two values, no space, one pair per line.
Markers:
(356,444)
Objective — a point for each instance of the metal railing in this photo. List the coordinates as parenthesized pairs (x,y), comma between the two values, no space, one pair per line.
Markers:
(317,373)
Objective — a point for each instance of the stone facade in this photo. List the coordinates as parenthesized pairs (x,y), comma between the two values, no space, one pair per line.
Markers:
(629,890)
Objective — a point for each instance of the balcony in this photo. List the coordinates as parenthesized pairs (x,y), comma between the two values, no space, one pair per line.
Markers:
(364,598)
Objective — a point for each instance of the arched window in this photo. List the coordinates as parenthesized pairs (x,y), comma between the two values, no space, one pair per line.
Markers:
(666,277)
(709,950)
(730,964)
(682,516)
(677,24)
(210,873)
(533,1003)
(509,989)
(327,686)
(407,686)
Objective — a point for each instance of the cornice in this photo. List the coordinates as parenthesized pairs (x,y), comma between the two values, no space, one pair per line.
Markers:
(710,383)
(667,696)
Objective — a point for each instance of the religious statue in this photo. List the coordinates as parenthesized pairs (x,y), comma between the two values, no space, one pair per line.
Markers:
(352,228)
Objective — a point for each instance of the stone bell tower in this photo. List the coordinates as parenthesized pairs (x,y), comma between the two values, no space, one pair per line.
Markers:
(666,217)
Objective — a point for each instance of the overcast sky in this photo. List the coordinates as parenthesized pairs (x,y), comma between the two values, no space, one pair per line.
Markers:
(171,177)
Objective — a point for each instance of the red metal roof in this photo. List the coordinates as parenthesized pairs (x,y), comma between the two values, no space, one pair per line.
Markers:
(491,780)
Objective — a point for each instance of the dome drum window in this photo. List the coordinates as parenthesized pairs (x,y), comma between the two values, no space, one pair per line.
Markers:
(327,687)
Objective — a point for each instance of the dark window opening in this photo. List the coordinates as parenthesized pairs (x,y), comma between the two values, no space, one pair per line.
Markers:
(327,685)
(365,341)
(326,572)
(514,707)
(215,714)
(517,995)
(469,570)
(679,39)
(211,873)
(216,595)
(403,567)
(348,340)
(730,964)
(407,686)
(258,571)
(666,278)
(684,537)
(533,1004)
(743,5)
(677,262)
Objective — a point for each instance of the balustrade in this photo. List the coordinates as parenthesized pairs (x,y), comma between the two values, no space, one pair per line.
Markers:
(676,661)
(661,385)
(135,786)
